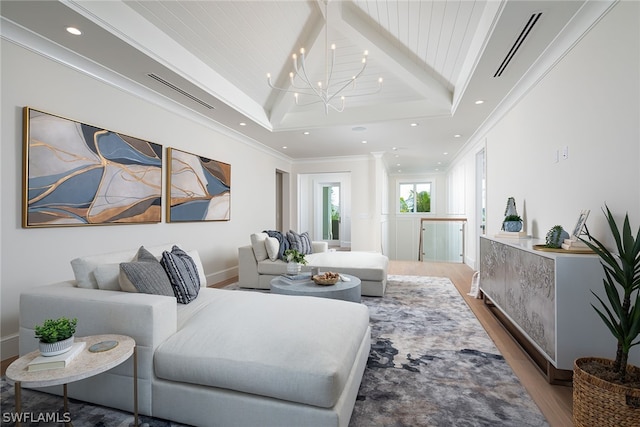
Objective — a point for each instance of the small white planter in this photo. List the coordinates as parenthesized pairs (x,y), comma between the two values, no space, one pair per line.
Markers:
(55,348)
(293,268)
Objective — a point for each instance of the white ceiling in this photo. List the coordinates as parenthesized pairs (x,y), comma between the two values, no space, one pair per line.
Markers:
(436,57)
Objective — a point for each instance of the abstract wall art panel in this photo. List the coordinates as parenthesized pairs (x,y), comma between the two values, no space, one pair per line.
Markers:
(199,188)
(78,174)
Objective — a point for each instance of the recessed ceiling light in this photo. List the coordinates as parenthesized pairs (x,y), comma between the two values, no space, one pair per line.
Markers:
(284,147)
(479,101)
(306,132)
(364,142)
(445,153)
(397,164)
(399,170)
(413,125)
(394,148)
(358,129)
(243,124)
(457,135)
(74,31)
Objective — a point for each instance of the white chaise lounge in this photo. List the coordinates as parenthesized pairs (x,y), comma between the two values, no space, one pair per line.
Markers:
(256,271)
(228,358)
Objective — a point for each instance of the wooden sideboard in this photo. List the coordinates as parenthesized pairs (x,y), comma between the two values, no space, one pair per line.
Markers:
(544,300)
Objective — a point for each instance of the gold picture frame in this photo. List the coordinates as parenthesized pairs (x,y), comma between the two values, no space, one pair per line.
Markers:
(199,188)
(75,174)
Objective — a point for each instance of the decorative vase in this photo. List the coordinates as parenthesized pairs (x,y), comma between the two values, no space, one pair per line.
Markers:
(512,226)
(55,348)
(293,268)
(597,402)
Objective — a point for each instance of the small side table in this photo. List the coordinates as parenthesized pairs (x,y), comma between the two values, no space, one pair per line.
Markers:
(84,365)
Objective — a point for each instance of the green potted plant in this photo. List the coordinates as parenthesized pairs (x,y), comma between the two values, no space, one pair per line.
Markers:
(512,221)
(56,336)
(295,260)
(607,392)
(555,237)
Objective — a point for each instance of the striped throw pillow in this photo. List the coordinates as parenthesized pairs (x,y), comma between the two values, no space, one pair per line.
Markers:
(183,274)
(301,242)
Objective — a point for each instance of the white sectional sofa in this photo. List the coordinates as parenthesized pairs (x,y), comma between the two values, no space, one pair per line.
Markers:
(370,267)
(227,358)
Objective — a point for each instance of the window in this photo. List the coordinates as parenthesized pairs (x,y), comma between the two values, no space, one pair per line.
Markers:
(415,197)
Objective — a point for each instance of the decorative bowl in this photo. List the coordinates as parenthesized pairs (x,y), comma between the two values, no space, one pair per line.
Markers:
(325,280)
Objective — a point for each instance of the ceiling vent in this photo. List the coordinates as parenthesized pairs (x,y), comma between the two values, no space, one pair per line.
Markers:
(181,91)
(516,46)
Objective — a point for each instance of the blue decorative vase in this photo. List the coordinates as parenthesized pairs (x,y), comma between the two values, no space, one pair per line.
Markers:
(512,226)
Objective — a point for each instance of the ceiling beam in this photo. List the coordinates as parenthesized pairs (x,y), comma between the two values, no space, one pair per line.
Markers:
(123,22)
(280,102)
(355,24)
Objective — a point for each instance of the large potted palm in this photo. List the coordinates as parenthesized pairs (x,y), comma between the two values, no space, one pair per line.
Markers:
(607,392)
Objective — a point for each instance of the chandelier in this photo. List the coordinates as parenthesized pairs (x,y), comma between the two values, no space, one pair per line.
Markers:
(330,92)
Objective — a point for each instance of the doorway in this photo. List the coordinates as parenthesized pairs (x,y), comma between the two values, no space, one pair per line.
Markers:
(282,201)
(481,201)
(326,220)
(331,213)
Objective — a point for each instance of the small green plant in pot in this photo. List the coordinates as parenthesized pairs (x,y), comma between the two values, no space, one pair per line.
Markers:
(555,237)
(56,335)
(295,260)
(596,380)
(512,221)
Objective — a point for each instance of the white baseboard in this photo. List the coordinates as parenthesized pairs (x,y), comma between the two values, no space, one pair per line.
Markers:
(222,275)
(9,346)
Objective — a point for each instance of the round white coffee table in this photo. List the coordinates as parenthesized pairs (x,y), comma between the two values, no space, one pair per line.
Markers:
(343,290)
(84,365)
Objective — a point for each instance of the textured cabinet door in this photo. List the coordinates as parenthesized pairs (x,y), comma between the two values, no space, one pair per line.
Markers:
(493,271)
(530,299)
(522,285)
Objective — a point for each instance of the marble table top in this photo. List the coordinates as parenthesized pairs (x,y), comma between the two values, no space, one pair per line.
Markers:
(84,365)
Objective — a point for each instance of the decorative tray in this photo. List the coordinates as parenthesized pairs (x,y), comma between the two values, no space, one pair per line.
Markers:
(325,280)
(543,248)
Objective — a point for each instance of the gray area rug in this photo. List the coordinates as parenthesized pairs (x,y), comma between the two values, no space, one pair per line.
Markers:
(431,364)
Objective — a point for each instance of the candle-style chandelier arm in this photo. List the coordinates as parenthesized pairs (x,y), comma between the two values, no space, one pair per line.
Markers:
(325,94)
(325,91)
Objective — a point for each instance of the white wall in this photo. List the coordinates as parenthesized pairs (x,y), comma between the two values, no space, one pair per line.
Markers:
(589,102)
(35,257)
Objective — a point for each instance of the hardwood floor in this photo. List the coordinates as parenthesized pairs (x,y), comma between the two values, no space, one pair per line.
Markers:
(554,401)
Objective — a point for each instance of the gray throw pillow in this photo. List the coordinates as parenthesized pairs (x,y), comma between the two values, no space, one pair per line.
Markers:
(182,273)
(301,242)
(145,275)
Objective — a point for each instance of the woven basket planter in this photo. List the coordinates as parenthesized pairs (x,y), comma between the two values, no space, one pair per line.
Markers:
(599,403)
